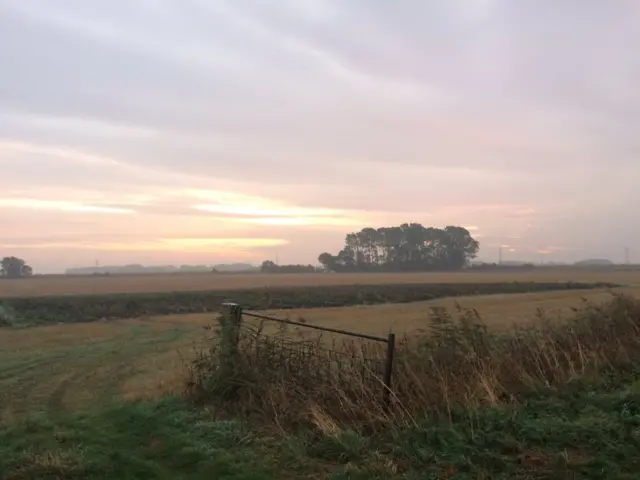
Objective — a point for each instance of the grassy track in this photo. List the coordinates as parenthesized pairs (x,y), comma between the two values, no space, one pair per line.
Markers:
(96,285)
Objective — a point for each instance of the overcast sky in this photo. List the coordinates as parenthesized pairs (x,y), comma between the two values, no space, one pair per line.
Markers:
(166,131)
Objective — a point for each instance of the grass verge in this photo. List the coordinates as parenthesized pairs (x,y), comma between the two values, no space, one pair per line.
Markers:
(589,431)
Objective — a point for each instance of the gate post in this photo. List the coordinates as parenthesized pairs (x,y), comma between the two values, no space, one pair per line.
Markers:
(388,370)
(230,335)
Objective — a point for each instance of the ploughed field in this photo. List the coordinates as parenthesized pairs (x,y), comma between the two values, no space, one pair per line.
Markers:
(110,284)
(68,367)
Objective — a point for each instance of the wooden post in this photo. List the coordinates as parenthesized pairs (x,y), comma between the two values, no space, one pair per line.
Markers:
(230,335)
(388,370)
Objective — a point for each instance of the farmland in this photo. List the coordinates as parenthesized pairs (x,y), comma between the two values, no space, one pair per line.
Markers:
(76,366)
(97,285)
(107,392)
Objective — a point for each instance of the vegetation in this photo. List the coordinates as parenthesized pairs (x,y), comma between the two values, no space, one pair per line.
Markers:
(72,367)
(459,364)
(87,308)
(408,247)
(14,267)
(269,266)
(544,402)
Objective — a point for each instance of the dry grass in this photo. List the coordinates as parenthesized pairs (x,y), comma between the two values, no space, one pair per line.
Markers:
(65,285)
(498,311)
(71,367)
(460,364)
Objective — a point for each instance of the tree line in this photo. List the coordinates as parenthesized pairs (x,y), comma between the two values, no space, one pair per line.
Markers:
(407,247)
(269,266)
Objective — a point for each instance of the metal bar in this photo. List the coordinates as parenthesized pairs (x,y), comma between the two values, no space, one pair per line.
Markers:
(318,327)
(388,369)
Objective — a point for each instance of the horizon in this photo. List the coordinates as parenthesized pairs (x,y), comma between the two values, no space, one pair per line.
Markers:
(241,131)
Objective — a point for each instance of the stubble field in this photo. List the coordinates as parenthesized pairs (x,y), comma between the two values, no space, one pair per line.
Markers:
(80,285)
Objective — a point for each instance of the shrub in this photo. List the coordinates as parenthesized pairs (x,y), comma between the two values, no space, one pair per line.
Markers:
(8,317)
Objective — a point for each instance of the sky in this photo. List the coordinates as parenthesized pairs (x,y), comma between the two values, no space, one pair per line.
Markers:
(207,131)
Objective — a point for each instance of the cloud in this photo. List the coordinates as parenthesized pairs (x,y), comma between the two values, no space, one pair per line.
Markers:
(162,244)
(272,118)
(63,206)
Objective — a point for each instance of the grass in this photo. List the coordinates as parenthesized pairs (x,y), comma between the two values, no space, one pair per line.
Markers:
(591,432)
(498,311)
(71,367)
(460,364)
(557,400)
(162,440)
(28,311)
(103,285)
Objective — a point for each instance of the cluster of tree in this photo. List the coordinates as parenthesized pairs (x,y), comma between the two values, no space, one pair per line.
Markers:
(14,267)
(271,267)
(408,247)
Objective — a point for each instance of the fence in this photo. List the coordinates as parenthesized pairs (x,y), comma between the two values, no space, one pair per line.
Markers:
(335,359)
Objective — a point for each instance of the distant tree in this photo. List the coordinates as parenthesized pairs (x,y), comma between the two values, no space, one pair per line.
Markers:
(270,267)
(407,247)
(327,260)
(14,267)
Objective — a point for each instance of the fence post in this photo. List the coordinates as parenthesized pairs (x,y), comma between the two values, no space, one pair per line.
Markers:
(230,335)
(388,369)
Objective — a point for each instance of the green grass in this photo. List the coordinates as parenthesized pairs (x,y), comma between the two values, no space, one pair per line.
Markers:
(588,431)
(26,311)
(72,367)
(165,440)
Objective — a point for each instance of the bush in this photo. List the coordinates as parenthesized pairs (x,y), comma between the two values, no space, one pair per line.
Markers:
(8,317)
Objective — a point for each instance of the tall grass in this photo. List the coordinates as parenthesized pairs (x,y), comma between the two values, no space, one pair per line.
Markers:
(458,364)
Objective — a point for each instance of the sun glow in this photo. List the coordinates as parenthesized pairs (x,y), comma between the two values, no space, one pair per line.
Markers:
(60,205)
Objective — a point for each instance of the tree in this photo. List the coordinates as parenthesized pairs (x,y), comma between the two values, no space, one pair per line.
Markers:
(327,260)
(268,266)
(407,247)
(14,267)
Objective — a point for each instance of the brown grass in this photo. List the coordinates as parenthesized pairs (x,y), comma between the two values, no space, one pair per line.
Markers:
(498,311)
(65,285)
(459,364)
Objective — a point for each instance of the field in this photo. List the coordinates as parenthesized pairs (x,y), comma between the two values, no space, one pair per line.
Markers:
(73,367)
(104,391)
(83,285)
